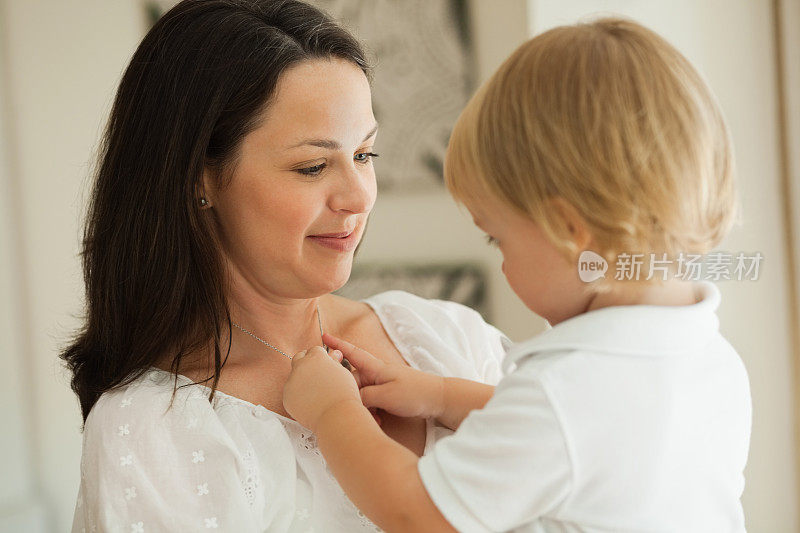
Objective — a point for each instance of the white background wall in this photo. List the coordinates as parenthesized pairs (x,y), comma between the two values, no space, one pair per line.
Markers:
(60,61)
(17,497)
(790,30)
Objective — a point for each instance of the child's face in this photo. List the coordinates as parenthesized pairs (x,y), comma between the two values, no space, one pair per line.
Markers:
(538,273)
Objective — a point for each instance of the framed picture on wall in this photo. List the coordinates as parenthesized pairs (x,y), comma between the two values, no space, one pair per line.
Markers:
(424,76)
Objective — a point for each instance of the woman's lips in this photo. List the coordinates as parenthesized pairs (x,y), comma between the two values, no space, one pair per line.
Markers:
(340,244)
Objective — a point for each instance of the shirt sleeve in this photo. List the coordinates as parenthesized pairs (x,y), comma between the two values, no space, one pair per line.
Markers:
(451,338)
(146,470)
(485,345)
(506,465)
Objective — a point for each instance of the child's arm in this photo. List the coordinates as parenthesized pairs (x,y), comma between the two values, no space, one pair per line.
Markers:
(460,397)
(404,391)
(379,475)
(507,464)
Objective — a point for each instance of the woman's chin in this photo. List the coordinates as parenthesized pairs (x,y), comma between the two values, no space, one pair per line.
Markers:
(335,279)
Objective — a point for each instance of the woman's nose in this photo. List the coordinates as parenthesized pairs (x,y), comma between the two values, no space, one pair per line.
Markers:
(356,192)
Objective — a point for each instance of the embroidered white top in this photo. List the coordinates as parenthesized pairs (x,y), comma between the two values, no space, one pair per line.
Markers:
(234,466)
(627,418)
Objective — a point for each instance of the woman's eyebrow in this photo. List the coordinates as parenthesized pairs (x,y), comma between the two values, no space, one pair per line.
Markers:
(331,144)
(372,132)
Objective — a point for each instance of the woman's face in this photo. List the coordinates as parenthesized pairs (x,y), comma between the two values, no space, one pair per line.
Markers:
(305,172)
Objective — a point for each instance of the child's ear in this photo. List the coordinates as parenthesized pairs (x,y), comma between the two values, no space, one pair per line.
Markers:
(573,222)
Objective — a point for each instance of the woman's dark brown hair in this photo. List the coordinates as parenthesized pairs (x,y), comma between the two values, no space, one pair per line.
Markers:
(196,85)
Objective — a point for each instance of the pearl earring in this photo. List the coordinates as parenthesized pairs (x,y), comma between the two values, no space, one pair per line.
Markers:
(203,202)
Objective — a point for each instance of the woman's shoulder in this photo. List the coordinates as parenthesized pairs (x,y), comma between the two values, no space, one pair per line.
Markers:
(148,404)
(144,417)
(394,299)
(451,332)
(395,302)
(159,402)
(441,315)
(151,388)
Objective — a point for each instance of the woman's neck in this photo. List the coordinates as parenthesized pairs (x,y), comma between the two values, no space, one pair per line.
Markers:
(291,325)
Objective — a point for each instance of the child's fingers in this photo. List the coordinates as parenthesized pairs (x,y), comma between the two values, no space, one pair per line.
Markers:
(307,353)
(337,343)
(387,398)
(356,375)
(366,363)
(370,396)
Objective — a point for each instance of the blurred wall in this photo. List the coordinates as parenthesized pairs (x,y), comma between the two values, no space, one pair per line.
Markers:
(20,508)
(789,37)
(60,61)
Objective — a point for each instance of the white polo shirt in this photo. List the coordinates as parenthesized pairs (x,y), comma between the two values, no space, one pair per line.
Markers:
(626,418)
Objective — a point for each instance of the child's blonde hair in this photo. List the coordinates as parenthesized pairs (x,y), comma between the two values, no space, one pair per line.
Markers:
(611,118)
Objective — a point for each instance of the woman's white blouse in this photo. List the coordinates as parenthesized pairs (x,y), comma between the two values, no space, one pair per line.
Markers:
(234,466)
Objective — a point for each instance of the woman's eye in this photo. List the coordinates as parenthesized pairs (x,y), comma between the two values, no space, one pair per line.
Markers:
(491,241)
(364,157)
(311,171)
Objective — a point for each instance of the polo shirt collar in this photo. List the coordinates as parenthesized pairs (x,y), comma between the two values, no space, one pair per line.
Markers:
(630,329)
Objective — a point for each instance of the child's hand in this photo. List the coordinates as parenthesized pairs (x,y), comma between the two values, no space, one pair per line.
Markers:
(395,388)
(318,381)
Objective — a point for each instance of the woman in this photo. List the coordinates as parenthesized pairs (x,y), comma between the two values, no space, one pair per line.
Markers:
(234,183)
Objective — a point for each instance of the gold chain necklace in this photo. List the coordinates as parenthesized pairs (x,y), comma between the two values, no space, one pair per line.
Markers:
(262,341)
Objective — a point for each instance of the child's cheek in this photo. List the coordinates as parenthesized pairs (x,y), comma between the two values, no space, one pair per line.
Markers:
(523,284)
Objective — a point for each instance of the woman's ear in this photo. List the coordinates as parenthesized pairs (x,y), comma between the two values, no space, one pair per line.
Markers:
(576,226)
(206,190)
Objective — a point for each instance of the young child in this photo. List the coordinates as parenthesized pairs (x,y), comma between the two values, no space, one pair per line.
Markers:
(632,413)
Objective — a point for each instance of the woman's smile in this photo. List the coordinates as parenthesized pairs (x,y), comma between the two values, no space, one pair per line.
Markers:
(341,242)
